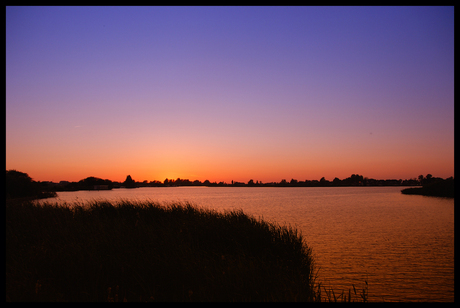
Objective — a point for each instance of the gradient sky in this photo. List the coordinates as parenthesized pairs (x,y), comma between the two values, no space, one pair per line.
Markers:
(229,93)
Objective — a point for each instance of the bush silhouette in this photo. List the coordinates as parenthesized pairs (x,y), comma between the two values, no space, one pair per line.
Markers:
(129,182)
(19,185)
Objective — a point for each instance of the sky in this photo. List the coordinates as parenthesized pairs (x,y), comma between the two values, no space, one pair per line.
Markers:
(229,93)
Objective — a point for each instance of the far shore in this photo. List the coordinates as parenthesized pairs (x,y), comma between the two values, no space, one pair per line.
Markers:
(441,188)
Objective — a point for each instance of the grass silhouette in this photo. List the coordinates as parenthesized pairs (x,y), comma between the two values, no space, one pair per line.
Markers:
(141,251)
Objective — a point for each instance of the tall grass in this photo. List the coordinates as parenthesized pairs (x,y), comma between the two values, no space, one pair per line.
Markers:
(330,296)
(141,251)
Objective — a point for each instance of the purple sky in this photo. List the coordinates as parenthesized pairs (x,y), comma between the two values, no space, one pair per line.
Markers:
(229,93)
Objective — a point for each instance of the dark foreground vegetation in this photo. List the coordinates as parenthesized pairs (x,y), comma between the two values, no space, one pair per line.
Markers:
(436,188)
(146,252)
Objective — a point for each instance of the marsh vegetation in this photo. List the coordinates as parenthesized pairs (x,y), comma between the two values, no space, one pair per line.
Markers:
(143,251)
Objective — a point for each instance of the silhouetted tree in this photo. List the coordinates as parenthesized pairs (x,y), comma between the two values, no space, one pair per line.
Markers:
(19,184)
(421,178)
(336,181)
(91,182)
(251,182)
(354,179)
(323,182)
(428,179)
(365,181)
(129,182)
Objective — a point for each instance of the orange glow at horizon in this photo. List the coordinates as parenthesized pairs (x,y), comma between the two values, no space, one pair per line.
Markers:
(266,170)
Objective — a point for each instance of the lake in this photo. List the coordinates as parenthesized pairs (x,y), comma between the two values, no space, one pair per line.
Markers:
(402,245)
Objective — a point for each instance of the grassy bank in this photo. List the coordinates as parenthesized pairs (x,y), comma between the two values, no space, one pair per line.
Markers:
(146,252)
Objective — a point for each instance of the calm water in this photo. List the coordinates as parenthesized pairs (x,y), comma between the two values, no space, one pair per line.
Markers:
(402,245)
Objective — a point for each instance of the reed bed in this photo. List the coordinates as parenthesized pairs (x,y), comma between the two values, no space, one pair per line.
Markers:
(143,251)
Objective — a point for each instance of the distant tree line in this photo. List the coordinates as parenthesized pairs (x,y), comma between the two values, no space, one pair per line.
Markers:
(19,184)
(94,183)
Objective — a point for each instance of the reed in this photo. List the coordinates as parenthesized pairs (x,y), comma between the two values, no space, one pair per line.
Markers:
(141,251)
(355,296)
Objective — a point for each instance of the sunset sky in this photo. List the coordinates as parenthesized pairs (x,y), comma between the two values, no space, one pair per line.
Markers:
(229,93)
